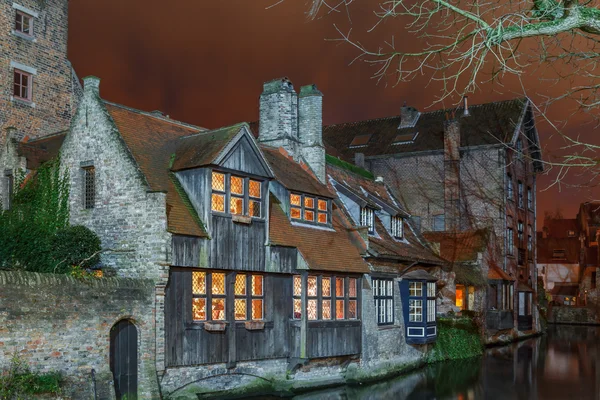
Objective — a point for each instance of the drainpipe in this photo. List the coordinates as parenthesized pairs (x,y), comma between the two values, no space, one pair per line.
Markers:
(94,383)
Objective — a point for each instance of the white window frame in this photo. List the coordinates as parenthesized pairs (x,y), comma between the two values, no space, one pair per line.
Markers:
(367,218)
(383,294)
(397,227)
(415,310)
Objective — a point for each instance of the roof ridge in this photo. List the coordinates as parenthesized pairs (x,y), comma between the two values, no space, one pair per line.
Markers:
(432,112)
(150,114)
(209,131)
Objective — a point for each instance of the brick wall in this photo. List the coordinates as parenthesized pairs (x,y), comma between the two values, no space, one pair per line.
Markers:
(46,53)
(62,324)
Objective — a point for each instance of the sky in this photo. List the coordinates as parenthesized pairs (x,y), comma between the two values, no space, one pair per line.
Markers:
(204,62)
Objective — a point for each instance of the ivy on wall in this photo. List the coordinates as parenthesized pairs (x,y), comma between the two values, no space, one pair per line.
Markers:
(457,338)
(35,234)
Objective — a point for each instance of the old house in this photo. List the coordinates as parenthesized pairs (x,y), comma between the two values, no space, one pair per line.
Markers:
(265,260)
(458,170)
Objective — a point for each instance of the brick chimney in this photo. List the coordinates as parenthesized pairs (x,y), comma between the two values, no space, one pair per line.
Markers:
(408,116)
(310,129)
(278,126)
(452,174)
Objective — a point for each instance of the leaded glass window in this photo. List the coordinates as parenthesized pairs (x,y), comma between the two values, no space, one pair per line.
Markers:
(236,195)
(208,290)
(309,209)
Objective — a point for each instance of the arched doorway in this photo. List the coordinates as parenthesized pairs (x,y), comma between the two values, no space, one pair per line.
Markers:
(124,359)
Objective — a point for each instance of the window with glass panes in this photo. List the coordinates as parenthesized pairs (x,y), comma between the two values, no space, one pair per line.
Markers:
(89,187)
(208,296)
(430,301)
(249,297)
(327,297)
(22,85)
(520,193)
(509,187)
(309,208)
(236,195)
(23,23)
(529,198)
(383,293)
(367,218)
(397,227)
(415,307)
(510,241)
(520,234)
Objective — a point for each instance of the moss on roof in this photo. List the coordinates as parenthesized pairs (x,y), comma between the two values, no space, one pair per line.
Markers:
(347,166)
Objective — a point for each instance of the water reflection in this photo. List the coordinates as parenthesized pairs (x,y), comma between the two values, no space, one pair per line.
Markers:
(561,365)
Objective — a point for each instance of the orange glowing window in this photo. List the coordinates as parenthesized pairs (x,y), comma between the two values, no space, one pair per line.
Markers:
(296,213)
(460,296)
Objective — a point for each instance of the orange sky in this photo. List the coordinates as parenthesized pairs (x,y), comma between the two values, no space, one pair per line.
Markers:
(204,62)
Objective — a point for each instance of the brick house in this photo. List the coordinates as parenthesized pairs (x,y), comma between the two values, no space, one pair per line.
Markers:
(458,170)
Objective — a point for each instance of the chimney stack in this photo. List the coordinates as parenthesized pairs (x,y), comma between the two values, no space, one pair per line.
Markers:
(91,84)
(310,129)
(408,116)
(466,106)
(452,174)
(278,126)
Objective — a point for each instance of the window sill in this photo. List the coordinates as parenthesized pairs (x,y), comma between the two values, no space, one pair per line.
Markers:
(254,325)
(24,36)
(241,219)
(215,326)
(22,102)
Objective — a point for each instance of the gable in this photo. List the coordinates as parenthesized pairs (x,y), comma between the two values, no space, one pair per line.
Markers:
(244,156)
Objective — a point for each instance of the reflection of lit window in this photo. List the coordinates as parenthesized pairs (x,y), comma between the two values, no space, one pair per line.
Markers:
(308,208)
(326,297)
(208,289)
(244,195)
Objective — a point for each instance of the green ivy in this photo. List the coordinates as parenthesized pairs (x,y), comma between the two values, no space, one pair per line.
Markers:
(457,338)
(35,234)
(19,382)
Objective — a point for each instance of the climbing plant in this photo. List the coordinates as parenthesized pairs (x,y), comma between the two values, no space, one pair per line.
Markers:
(35,234)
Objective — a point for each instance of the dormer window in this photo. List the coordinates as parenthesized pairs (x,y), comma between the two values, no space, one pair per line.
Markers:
(236,195)
(397,228)
(308,208)
(405,138)
(367,218)
(360,141)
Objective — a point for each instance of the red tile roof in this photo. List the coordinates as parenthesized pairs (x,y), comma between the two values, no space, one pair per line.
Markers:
(459,246)
(292,175)
(152,140)
(496,273)
(38,151)
(323,249)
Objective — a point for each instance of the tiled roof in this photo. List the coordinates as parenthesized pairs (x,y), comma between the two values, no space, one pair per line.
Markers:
(203,148)
(547,246)
(459,246)
(38,151)
(496,273)
(323,249)
(490,123)
(151,141)
(293,175)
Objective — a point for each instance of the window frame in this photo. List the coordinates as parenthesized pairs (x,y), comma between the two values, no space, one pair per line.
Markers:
(245,196)
(384,300)
(367,218)
(436,220)
(521,234)
(30,19)
(529,198)
(520,188)
(510,241)
(397,227)
(29,87)
(89,187)
(316,210)
(510,190)
(346,298)
(249,297)
(209,296)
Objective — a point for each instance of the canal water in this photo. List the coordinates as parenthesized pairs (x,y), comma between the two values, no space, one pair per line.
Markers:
(564,364)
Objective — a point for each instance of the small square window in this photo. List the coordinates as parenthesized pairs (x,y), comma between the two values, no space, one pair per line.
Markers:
(24,23)
(22,85)
(415,289)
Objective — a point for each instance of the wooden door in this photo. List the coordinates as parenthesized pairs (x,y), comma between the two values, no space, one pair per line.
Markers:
(124,359)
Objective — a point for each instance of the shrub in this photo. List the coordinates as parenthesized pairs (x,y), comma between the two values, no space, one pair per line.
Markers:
(457,338)
(19,382)
(75,245)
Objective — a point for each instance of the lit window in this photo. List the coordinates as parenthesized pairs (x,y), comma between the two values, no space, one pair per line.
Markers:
(309,209)
(460,297)
(415,289)
(89,187)
(397,227)
(24,23)
(22,85)
(367,218)
(249,302)
(240,191)
(208,289)
(326,297)
(383,294)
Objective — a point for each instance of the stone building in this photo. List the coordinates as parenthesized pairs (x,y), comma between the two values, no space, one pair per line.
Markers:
(463,169)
